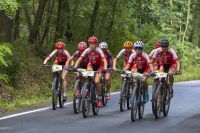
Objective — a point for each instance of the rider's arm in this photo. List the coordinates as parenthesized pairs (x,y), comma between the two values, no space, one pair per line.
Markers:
(114,63)
(105,63)
(78,62)
(175,58)
(81,57)
(149,62)
(69,60)
(127,67)
(49,57)
(130,60)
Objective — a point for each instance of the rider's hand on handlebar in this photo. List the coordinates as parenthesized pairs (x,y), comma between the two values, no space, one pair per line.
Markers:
(114,68)
(104,71)
(152,73)
(74,69)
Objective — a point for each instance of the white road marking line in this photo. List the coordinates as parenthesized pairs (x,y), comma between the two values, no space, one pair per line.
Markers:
(43,109)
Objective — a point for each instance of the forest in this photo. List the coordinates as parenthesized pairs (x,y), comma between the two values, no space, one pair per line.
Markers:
(30,28)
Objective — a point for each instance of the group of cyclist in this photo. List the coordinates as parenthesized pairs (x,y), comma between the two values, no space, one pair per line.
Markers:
(96,56)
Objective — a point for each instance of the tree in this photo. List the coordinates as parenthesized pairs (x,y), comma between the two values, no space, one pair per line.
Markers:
(91,30)
(37,22)
(7,10)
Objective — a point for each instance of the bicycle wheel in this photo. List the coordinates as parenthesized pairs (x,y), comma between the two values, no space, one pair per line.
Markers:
(141,103)
(134,104)
(94,98)
(157,100)
(60,96)
(128,95)
(166,99)
(86,99)
(154,88)
(77,97)
(55,85)
(103,93)
(123,96)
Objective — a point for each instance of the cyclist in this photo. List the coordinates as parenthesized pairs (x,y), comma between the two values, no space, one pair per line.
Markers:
(140,62)
(81,47)
(126,52)
(97,61)
(158,59)
(109,58)
(157,45)
(169,61)
(62,55)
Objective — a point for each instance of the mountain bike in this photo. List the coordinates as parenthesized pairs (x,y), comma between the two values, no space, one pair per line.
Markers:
(89,94)
(56,91)
(161,95)
(126,88)
(137,97)
(77,92)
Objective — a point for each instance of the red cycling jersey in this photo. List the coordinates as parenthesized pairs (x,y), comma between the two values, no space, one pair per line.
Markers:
(95,56)
(125,54)
(157,59)
(108,57)
(141,61)
(85,60)
(60,57)
(166,56)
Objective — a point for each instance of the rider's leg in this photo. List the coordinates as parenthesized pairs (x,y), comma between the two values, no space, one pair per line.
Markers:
(145,85)
(98,85)
(64,84)
(97,82)
(171,79)
(108,82)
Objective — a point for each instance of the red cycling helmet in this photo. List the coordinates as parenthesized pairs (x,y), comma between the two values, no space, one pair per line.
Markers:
(157,44)
(60,45)
(82,46)
(92,39)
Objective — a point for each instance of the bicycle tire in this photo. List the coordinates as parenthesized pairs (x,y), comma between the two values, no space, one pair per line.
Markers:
(54,92)
(94,98)
(134,104)
(86,99)
(77,99)
(141,104)
(154,88)
(166,100)
(128,96)
(157,101)
(123,96)
(103,93)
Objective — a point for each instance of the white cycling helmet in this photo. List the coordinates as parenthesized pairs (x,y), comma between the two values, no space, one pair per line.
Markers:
(139,44)
(103,45)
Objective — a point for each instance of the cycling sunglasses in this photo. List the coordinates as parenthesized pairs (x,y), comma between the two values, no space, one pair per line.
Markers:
(164,46)
(138,48)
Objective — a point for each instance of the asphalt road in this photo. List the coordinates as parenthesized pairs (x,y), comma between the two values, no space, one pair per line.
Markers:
(184,117)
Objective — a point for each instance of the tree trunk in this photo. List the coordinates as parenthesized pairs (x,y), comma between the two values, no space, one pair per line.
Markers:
(91,30)
(68,32)
(48,20)
(6,25)
(109,31)
(37,22)
(187,21)
(195,35)
(61,18)
(16,25)
(27,15)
